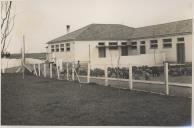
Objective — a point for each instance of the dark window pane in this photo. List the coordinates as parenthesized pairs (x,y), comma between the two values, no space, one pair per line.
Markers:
(101,52)
(124,51)
(180,39)
(167,40)
(101,43)
(153,41)
(167,45)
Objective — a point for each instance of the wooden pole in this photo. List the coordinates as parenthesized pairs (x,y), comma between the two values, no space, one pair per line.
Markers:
(166,78)
(51,74)
(73,68)
(39,69)
(57,66)
(23,57)
(130,77)
(88,75)
(44,70)
(89,54)
(106,76)
(35,70)
(67,71)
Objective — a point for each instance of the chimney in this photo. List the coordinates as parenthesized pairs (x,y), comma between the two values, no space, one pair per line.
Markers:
(68,28)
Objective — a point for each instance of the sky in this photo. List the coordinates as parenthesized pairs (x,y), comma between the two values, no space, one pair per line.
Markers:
(43,20)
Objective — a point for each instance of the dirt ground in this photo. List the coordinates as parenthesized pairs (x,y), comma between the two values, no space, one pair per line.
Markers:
(41,101)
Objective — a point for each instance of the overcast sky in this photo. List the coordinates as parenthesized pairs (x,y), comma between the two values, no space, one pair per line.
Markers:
(43,20)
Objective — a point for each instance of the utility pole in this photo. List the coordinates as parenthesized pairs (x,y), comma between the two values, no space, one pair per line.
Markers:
(23,57)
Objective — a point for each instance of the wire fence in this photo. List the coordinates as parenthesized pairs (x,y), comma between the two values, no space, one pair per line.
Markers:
(166,79)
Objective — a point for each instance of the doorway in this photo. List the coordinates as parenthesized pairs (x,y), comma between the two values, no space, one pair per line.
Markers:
(142,49)
(180,53)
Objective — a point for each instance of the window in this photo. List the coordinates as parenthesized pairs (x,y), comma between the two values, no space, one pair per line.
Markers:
(67,46)
(57,48)
(180,39)
(124,51)
(62,47)
(102,52)
(134,45)
(123,43)
(101,43)
(167,43)
(142,42)
(113,45)
(52,48)
(153,44)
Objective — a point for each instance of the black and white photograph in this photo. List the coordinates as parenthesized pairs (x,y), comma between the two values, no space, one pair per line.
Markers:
(96,63)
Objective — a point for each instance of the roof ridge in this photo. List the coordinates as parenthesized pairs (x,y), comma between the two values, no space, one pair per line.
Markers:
(164,23)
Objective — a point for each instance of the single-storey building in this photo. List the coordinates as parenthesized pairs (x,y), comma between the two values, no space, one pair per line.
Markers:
(120,44)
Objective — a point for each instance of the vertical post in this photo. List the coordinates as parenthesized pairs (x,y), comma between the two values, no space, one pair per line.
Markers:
(67,71)
(73,68)
(23,57)
(57,66)
(39,69)
(130,77)
(51,70)
(106,76)
(166,78)
(44,70)
(35,70)
(88,75)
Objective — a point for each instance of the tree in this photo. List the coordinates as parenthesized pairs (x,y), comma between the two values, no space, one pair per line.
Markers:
(7,24)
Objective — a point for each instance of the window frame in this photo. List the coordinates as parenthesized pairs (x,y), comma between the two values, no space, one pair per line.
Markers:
(178,39)
(167,43)
(62,47)
(153,44)
(113,45)
(102,55)
(68,47)
(134,45)
(52,48)
(123,52)
(57,47)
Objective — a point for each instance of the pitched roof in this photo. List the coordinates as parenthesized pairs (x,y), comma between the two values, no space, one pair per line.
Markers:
(98,32)
(172,28)
(122,32)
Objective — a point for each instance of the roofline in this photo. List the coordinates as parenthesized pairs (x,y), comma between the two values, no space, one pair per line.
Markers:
(176,34)
(51,42)
(164,23)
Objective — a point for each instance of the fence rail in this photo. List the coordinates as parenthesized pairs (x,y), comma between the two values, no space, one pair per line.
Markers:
(86,73)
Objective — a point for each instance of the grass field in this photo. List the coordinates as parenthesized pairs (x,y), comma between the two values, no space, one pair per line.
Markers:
(39,101)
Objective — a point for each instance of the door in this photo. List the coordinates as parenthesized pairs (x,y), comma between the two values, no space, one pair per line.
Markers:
(180,52)
(142,49)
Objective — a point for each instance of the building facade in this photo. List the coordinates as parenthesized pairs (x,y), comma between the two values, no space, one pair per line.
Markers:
(118,44)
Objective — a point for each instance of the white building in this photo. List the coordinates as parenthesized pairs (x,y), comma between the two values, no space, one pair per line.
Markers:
(114,43)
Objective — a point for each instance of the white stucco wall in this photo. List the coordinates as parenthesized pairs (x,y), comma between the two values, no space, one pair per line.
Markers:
(171,53)
(80,51)
(66,55)
(112,56)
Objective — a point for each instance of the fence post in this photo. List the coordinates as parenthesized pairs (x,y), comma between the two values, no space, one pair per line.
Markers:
(130,77)
(35,69)
(57,66)
(38,69)
(106,76)
(51,70)
(166,78)
(73,66)
(44,70)
(67,71)
(88,75)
